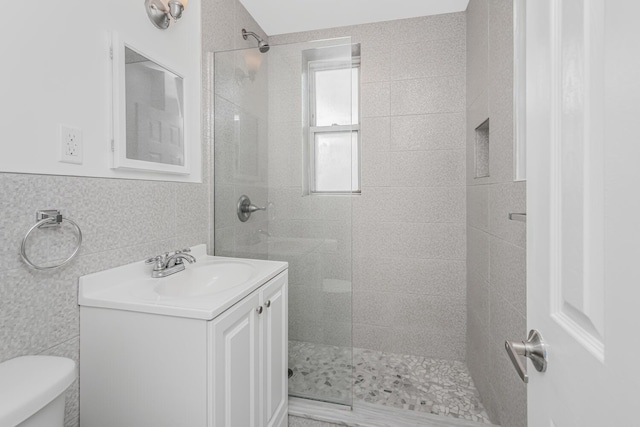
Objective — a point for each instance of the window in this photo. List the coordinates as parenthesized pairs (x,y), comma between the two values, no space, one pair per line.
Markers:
(334,125)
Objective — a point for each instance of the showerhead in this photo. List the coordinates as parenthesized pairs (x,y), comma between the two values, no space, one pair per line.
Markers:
(263,46)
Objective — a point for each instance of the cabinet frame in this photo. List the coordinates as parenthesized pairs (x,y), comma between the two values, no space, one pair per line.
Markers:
(266,308)
(149,369)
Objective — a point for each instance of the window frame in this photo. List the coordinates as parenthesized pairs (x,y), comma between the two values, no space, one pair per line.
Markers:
(314,66)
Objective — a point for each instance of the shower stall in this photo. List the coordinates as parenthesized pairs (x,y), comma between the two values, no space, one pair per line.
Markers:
(284,137)
(287,136)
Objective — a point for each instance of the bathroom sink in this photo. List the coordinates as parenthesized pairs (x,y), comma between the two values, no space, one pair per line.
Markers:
(205,278)
(202,290)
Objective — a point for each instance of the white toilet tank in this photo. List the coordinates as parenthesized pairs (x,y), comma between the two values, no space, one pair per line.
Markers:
(32,390)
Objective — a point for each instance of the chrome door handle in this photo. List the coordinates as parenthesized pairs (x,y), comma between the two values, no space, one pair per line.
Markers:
(534,348)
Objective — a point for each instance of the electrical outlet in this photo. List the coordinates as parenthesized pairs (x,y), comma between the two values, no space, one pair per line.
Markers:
(70,144)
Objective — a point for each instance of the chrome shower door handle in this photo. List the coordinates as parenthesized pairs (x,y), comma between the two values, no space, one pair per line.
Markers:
(534,348)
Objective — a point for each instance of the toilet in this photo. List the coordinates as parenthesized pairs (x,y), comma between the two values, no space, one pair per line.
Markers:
(32,390)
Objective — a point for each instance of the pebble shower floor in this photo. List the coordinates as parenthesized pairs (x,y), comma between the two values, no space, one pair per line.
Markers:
(440,387)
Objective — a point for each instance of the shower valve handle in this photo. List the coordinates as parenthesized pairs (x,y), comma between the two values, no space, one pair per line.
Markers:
(245,208)
(252,209)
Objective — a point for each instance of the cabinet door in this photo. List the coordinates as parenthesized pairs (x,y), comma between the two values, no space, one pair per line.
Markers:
(275,344)
(235,364)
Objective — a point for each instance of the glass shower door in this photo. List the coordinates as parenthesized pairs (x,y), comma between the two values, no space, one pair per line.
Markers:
(286,137)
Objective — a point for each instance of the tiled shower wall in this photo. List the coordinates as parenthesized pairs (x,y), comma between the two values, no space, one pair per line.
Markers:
(316,229)
(239,98)
(409,223)
(496,289)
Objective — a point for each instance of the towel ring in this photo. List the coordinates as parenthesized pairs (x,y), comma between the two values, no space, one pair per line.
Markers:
(49,218)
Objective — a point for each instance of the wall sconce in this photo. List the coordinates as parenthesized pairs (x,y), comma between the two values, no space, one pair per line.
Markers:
(161,12)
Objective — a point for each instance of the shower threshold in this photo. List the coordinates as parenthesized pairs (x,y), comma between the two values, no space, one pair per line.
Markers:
(370,415)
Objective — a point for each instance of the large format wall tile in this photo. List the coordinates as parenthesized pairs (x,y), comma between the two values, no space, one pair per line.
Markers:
(478,207)
(409,221)
(446,57)
(411,276)
(428,132)
(421,204)
(428,95)
(434,168)
(375,99)
(410,240)
(439,168)
(375,61)
(508,273)
(477,49)
(376,134)
(496,255)
(505,199)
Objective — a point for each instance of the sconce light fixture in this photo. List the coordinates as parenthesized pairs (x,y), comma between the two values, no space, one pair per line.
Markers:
(162,12)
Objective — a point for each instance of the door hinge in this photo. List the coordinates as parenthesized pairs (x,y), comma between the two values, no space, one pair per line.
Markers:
(111,52)
(113,146)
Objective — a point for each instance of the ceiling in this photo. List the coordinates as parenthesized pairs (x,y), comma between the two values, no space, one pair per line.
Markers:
(290,16)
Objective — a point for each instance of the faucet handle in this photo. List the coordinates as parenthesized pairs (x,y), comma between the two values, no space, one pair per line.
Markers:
(153,260)
(157,260)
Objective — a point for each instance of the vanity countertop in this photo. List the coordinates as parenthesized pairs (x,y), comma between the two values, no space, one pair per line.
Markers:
(202,291)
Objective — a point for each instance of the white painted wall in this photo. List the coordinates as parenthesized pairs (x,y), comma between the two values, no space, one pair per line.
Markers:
(55,69)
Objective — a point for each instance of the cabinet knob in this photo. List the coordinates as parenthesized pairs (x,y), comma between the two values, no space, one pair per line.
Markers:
(268,303)
(259,310)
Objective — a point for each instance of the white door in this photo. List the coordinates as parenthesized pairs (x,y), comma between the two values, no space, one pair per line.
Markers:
(583,203)
(275,344)
(235,346)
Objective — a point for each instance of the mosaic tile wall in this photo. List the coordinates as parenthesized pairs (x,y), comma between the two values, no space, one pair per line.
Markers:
(121,220)
(496,256)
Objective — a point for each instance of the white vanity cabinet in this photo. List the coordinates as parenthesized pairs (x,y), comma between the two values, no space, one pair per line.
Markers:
(222,364)
(249,360)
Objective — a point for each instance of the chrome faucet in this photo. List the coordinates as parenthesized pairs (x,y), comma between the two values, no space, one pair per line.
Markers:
(168,264)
